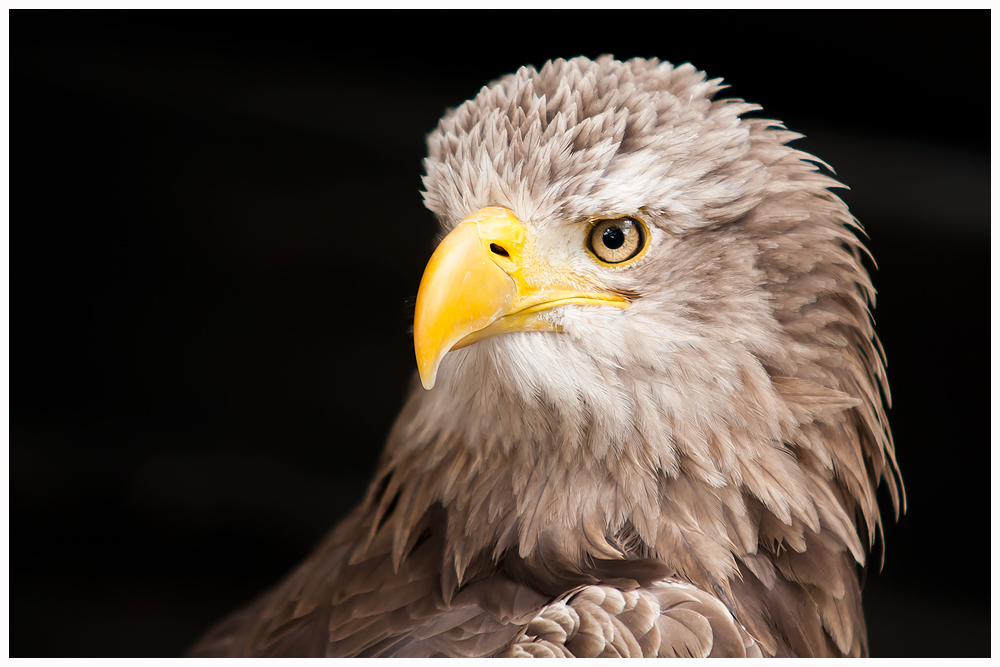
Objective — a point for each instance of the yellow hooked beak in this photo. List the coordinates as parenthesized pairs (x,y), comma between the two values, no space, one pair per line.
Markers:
(485,279)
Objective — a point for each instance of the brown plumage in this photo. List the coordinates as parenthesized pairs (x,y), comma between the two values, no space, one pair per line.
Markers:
(692,472)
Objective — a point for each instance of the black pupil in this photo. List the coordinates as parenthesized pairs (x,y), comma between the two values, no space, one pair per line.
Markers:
(613,238)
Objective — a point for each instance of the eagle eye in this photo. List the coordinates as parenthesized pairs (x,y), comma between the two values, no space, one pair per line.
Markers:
(617,241)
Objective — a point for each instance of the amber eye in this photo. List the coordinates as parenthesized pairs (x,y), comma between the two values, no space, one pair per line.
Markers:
(615,241)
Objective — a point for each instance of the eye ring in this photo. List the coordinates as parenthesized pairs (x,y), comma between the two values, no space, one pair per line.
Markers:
(617,241)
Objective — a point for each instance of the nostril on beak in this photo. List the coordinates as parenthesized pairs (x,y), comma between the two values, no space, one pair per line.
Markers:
(498,250)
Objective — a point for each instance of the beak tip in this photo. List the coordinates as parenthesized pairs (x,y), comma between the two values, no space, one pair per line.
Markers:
(428,374)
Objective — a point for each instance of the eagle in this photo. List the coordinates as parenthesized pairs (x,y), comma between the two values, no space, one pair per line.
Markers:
(648,417)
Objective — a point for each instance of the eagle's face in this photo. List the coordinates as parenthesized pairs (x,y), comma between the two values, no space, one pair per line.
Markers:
(597,277)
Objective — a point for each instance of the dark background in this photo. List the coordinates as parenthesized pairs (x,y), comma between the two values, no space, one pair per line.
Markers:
(217,235)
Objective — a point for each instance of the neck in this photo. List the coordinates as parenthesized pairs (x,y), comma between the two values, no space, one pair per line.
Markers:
(559,482)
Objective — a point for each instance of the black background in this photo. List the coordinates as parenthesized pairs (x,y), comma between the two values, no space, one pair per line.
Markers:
(216,237)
